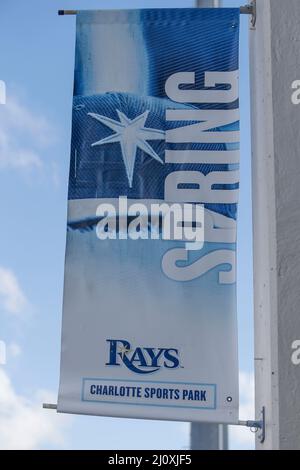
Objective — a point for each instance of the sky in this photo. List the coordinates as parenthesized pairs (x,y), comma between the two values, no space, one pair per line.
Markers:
(37,64)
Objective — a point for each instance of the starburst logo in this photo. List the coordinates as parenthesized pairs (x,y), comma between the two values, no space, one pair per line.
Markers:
(141,360)
(131,134)
(123,350)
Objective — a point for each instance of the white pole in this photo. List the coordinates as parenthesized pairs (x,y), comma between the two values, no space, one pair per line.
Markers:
(208,436)
(274,65)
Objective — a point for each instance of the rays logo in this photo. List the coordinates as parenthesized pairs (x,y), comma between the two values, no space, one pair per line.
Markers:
(141,360)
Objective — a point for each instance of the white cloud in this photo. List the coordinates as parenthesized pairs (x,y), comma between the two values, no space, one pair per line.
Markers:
(12,298)
(23,422)
(23,136)
(14,350)
(241,437)
(2,352)
(2,92)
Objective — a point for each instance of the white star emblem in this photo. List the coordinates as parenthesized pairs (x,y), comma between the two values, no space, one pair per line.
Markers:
(132,135)
(123,351)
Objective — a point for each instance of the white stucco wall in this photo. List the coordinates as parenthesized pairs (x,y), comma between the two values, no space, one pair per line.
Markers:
(275,64)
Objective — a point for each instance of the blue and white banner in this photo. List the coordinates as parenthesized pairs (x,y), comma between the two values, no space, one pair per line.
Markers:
(149,313)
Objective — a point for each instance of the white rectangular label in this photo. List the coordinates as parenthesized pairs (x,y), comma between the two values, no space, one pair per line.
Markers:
(167,394)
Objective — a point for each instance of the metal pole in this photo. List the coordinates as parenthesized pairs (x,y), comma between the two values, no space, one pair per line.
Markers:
(209,436)
(205,436)
(244,10)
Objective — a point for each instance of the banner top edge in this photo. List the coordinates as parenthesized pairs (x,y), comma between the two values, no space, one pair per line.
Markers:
(157,15)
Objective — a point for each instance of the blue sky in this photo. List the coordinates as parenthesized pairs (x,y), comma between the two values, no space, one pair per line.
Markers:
(36,63)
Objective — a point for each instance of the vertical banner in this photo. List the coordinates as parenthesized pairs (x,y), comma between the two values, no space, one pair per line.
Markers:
(149,313)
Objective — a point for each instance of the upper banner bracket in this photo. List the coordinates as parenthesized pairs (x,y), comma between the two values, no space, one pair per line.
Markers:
(249,9)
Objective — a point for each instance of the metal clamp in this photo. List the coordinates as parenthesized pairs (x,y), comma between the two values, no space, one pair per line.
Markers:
(257,425)
(246,9)
(253,19)
(250,9)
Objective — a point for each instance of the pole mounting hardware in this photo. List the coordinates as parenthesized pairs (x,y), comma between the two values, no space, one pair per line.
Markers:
(250,9)
(257,425)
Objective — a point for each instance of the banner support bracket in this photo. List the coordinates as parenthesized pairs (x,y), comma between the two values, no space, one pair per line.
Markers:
(248,9)
(255,425)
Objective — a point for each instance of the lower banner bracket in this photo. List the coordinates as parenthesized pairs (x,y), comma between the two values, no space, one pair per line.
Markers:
(254,425)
